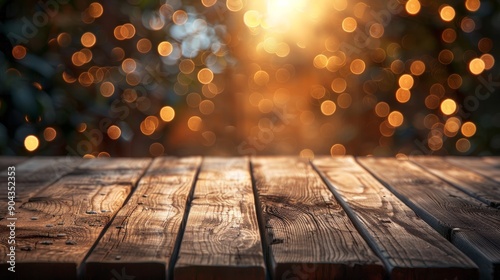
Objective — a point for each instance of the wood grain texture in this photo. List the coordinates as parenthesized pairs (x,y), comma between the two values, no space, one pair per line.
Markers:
(115,163)
(38,169)
(307,233)
(488,166)
(58,226)
(36,174)
(409,248)
(221,238)
(98,171)
(472,183)
(470,225)
(141,241)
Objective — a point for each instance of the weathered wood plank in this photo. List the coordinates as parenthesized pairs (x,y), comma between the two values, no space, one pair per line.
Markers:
(307,233)
(485,167)
(28,171)
(115,163)
(470,225)
(409,248)
(493,159)
(493,167)
(6,161)
(45,169)
(35,174)
(142,238)
(221,239)
(102,177)
(472,183)
(56,228)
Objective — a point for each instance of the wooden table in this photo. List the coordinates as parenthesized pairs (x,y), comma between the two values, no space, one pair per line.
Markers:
(251,218)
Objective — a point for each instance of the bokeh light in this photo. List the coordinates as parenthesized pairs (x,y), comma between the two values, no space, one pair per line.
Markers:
(477,66)
(194,123)
(95,10)
(19,52)
(448,106)
(156,149)
(49,134)
(337,150)
(413,7)
(205,76)
(31,143)
(349,24)
(395,118)
(468,129)
(167,113)
(107,89)
(165,48)
(88,39)
(447,13)
(114,132)
(328,107)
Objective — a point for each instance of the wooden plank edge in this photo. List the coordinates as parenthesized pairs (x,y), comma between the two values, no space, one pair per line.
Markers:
(6,161)
(435,273)
(471,193)
(459,160)
(140,270)
(125,270)
(82,267)
(328,271)
(180,236)
(435,223)
(307,270)
(229,272)
(395,272)
(444,230)
(489,267)
(222,272)
(29,270)
(267,253)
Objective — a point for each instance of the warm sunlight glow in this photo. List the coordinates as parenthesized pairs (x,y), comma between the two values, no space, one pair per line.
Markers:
(243,77)
(279,12)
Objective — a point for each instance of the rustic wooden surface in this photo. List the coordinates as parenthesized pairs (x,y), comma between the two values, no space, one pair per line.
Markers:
(36,174)
(7,161)
(222,238)
(404,242)
(489,167)
(466,222)
(307,232)
(263,218)
(472,183)
(142,238)
(57,226)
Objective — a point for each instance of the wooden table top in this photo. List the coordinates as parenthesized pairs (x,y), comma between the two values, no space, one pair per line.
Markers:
(250,218)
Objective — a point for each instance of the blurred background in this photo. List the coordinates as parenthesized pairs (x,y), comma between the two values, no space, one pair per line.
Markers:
(241,77)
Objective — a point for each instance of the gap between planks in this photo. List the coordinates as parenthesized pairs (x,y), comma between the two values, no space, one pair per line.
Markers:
(409,248)
(474,184)
(58,225)
(305,231)
(469,224)
(142,240)
(221,238)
